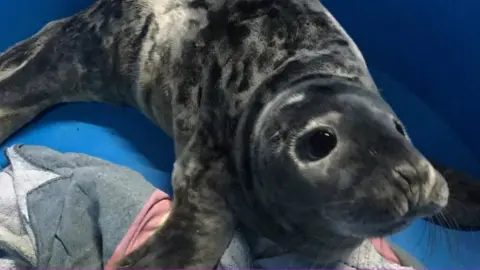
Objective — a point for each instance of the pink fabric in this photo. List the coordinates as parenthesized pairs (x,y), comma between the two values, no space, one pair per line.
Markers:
(146,222)
(384,249)
(152,214)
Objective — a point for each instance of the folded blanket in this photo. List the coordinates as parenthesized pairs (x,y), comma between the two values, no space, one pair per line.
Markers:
(76,211)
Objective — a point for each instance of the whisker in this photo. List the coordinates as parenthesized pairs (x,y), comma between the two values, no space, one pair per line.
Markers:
(450,237)
(432,235)
(424,233)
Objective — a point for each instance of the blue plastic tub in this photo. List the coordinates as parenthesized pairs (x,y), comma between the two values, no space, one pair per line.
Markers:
(424,55)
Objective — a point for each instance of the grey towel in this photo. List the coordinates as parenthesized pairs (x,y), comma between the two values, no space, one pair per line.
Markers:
(71,211)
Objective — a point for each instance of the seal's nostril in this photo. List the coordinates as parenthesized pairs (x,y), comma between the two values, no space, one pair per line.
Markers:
(399,127)
(405,176)
(407,173)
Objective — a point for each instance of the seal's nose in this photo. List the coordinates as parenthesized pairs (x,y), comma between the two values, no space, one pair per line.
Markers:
(435,194)
(426,188)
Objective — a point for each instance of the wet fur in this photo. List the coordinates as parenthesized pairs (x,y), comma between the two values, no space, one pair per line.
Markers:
(198,69)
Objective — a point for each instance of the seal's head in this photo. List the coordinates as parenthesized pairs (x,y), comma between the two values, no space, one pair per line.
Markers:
(334,156)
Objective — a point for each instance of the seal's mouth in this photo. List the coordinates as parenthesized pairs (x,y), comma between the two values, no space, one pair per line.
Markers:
(393,228)
(380,230)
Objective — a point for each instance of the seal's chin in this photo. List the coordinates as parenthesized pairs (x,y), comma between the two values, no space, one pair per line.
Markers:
(376,230)
(388,229)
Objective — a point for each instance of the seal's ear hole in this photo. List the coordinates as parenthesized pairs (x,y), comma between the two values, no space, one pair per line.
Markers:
(316,144)
(399,128)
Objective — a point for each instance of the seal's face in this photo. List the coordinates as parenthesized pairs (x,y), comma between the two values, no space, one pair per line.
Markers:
(337,157)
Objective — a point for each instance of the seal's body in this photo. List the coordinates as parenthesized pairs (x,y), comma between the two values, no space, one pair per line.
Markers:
(153,55)
(261,97)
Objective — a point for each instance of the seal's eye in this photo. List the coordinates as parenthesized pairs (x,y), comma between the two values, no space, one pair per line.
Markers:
(321,143)
(399,128)
(316,144)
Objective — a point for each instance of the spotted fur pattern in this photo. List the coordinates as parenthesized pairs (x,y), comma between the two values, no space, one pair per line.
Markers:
(194,67)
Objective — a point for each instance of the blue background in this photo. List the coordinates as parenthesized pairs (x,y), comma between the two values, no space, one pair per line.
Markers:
(424,56)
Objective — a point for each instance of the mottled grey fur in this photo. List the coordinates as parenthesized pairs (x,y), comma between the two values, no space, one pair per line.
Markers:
(237,84)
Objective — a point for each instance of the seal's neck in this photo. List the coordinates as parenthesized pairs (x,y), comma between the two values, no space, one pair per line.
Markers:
(319,256)
(322,246)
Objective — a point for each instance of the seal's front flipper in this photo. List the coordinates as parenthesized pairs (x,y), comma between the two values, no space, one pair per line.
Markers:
(200,225)
(463,209)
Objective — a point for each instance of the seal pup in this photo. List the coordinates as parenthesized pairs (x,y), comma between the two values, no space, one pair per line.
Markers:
(275,118)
